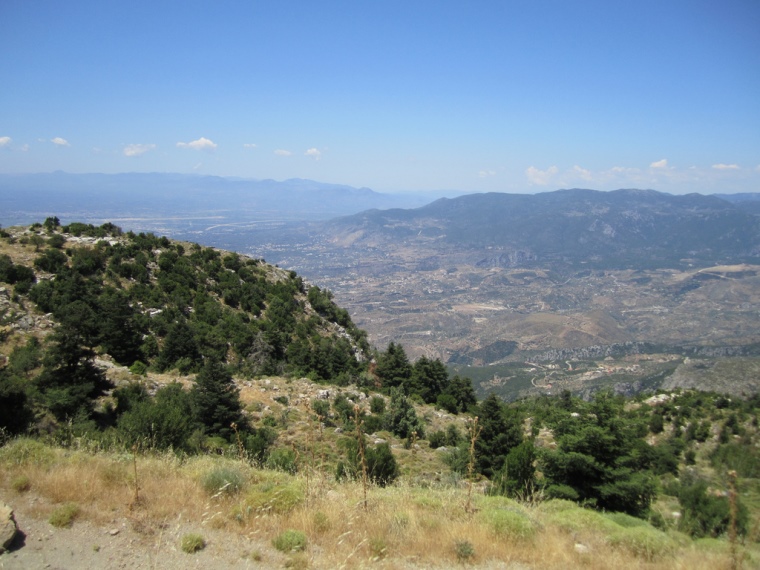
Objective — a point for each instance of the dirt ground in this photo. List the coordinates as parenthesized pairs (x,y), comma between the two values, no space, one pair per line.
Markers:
(129,543)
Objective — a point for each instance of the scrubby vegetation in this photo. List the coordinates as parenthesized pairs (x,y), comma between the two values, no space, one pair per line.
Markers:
(174,355)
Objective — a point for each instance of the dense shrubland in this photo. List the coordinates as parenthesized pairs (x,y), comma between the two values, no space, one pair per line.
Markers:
(204,321)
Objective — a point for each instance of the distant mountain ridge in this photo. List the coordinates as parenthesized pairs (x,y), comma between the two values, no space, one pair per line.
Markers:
(92,197)
(622,228)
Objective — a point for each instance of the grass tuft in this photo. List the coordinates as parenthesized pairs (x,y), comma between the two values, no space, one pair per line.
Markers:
(508,523)
(223,480)
(274,497)
(625,520)
(21,484)
(64,515)
(192,543)
(464,551)
(290,541)
(575,519)
(321,522)
(24,451)
(378,548)
(644,541)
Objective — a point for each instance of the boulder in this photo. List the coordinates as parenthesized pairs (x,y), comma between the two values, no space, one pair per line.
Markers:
(7,527)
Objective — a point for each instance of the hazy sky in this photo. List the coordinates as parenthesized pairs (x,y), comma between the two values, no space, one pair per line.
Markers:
(515,96)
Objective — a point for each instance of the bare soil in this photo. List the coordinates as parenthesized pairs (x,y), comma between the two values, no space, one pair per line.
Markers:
(125,542)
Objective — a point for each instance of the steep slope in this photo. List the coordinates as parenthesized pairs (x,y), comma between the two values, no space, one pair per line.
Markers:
(140,298)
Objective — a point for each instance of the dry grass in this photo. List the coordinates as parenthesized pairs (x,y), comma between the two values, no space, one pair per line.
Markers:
(403,526)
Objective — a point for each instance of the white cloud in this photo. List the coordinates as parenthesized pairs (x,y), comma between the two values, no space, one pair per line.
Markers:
(58,141)
(24,147)
(201,144)
(582,172)
(314,153)
(659,164)
(540,177)
(137,149)
(5,141)
(725,166)
(486,173)
(249,145)
(281,152)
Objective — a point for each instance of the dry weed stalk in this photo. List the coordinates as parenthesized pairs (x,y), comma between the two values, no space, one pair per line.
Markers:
(732,531)
(320,421)
(362,453)
(241,449)
(307,473)
(136,496)
(313,471)
(474,430)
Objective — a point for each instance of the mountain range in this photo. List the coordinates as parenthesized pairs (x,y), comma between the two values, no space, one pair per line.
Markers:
(623,228)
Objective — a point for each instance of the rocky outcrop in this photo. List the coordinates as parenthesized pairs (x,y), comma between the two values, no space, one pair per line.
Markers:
(517,258)
(8,527)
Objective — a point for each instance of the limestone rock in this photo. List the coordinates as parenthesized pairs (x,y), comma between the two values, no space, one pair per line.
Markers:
(7,527)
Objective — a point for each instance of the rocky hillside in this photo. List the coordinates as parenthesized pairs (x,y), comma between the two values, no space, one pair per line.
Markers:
(146,301)
(78,300)
(87,312)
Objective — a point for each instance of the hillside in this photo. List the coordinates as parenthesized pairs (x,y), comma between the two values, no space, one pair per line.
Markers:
(170,305)
(94,311)
(165,389)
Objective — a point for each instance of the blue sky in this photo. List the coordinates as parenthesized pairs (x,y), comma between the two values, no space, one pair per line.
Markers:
(513,96)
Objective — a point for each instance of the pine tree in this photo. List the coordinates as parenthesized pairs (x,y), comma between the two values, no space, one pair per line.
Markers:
(393,366)
(595,461)
(519,474)
(459,395)
(179,344)
(216,401)
(429,379)
(69,380)
(401,419)
(118,332)
(501,431)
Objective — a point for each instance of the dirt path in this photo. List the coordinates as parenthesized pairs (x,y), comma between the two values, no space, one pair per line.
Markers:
(123,543)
